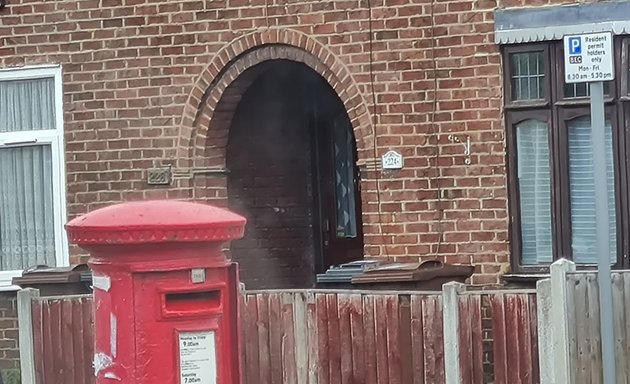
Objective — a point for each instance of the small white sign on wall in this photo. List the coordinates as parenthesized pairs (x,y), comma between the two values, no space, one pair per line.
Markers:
(392,160)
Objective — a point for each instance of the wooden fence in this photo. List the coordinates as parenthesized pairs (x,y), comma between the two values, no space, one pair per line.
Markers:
(515,338)
(310,337)
(496,336)
(327,337)
(570,307)
(56,338)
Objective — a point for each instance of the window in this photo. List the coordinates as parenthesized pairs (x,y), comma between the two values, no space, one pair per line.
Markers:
(345,181)
(551,171)
(32,204)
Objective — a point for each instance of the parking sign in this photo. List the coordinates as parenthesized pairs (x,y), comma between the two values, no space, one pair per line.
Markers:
(588,58)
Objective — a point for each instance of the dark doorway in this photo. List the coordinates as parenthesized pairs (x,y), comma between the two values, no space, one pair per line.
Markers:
(337,183)
(291,157)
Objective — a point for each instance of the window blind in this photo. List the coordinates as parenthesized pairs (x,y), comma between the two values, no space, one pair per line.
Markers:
(27,105)
(534,181)
(582,187)
(27,223)
(26,199)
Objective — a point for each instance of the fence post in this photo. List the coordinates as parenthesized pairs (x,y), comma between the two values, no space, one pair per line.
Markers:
(450,319)
(545,331)
(561,321)
(25,324)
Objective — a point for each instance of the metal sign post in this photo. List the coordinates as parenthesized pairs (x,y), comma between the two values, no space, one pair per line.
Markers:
(589,58)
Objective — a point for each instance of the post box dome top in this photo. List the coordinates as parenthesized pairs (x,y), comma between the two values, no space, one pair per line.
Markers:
(155,221)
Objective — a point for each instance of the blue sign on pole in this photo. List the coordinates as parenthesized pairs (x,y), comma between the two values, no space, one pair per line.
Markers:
(575,45)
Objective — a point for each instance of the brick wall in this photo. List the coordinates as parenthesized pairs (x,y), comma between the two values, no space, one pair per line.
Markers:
(9,352)
(270,182)
(145,82)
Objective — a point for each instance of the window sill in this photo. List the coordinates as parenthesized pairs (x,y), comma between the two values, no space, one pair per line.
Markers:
(579,101)
(9,288)
(524,279)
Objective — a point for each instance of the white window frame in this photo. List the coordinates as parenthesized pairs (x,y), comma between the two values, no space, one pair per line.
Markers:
(54,138)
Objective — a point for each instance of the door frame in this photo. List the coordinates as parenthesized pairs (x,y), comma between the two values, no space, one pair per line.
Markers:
(319,209)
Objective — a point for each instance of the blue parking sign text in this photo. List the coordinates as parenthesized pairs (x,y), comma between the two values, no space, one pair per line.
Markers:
(575,45)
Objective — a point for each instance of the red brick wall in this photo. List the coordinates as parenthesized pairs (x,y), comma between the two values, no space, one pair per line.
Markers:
(9,352)
(269,161)
(144,82)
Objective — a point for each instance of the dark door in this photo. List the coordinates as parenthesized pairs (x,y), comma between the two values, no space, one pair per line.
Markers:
(339,193)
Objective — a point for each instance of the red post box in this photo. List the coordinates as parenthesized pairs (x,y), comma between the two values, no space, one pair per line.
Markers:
(165,296)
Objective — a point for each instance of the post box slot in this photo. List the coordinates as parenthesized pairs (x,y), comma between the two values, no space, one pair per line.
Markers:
(192,302)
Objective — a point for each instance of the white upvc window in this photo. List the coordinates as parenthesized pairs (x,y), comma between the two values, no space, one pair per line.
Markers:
(32,171)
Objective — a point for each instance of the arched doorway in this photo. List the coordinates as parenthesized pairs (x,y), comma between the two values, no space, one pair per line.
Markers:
(291,157)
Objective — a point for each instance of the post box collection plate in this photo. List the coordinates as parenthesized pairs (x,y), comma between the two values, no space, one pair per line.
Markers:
(198,275)
(197,357)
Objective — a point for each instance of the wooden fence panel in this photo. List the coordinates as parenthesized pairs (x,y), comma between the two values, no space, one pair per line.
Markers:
(38,341)
(584,334)
(370,339)
(573,324)
(515,338)
(622,323)
(589,320)
(330,337)
(251,360)
(358,339)
(417,340)
(344,337)
(382,361)
(582,343)
(334,349)
(433,339)
(470,339)
(276,336)
(63,339)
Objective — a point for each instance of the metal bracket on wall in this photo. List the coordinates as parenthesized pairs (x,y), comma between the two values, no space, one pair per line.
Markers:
(370,165)
(164,175)
(465,141)
(200,171)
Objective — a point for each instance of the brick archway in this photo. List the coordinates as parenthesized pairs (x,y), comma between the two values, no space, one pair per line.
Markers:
(210,107)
